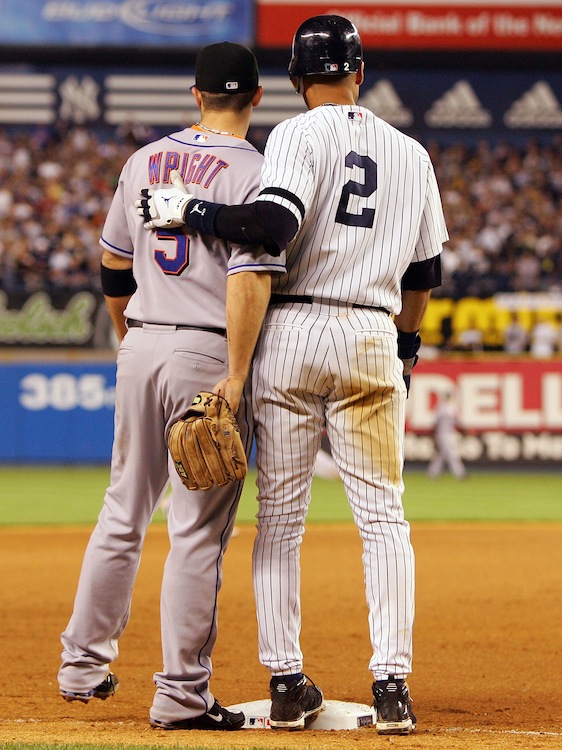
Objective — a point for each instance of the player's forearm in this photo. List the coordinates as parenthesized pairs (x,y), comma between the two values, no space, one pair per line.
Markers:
(116,308)
(247,298)
(118,286)
(261,223)
(408,323)
(414,305)
(265,223)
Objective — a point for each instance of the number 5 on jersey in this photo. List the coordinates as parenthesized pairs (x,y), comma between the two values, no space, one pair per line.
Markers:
(175,258)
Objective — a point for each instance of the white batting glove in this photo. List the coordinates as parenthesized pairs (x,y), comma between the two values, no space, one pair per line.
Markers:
(164,207)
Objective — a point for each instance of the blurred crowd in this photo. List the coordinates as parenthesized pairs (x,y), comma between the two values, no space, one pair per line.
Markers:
(504,214)
(55,189)
(502,203)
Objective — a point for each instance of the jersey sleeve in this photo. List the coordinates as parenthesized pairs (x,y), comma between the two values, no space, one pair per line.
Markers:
(254,258)
(281,182)
(115,234)
(433,230)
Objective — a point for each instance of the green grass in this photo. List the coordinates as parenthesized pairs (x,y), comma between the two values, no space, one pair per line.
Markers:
(73,495)
(485,496)
(45,746)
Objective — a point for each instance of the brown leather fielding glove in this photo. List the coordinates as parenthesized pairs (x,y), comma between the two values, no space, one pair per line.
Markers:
(206,446)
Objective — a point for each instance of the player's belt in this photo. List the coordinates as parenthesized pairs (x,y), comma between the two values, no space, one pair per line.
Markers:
(279,299)
(138,324)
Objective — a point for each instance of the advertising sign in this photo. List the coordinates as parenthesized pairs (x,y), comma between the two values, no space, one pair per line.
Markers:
(58,320)
(431,24)
(59,412)
(123,23)
(480,102)
(507,410)
(510,412)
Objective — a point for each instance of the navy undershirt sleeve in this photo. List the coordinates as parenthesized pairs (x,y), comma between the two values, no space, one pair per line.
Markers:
(426,274)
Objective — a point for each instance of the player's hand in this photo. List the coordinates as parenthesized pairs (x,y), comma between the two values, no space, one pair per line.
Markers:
(164,207)
(231,388)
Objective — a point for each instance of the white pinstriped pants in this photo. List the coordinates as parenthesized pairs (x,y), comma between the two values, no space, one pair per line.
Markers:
(334,366)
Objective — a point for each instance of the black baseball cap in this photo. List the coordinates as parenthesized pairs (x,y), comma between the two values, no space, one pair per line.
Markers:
(226,68)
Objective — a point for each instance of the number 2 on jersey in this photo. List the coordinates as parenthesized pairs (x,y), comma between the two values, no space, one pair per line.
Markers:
(172,264)
(362,189)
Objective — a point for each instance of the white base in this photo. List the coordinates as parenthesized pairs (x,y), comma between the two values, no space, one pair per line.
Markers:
(335,715)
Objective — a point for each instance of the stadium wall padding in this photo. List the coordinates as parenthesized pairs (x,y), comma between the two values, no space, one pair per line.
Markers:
(510,409)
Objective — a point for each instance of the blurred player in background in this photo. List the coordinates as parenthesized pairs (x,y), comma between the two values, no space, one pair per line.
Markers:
(544,338)
(325,466)
(446,439)
(516,337)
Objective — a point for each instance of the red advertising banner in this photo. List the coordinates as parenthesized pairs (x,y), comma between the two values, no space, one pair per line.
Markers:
(507,410)
(445,24)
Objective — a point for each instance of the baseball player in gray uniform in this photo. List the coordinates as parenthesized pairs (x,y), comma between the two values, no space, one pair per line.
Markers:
(172,297)
(357,202)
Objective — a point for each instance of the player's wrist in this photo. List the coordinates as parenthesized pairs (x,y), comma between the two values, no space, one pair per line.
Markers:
(408,344)
(200,215)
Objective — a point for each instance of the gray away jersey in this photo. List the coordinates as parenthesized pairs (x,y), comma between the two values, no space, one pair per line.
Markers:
(366,199)
(180,276)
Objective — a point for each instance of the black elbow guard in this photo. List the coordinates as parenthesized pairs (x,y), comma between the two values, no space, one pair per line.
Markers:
(117,282)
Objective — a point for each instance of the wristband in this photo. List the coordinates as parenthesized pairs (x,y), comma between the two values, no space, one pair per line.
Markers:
(408,344)
(200,215)
(117,282)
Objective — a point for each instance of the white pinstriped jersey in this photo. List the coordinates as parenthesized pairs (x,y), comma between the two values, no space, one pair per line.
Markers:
(366,199)
(181,276)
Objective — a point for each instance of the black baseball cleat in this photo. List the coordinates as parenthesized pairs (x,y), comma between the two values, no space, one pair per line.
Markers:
(293,701)
(216,718)
(104,690)
(393,707)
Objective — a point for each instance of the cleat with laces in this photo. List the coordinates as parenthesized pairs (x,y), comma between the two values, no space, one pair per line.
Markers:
(393,707)
(293,701)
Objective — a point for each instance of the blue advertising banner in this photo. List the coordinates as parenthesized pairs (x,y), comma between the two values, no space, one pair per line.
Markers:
(57,412)
(123,23)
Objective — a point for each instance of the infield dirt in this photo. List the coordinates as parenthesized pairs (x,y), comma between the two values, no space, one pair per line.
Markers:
(488,640)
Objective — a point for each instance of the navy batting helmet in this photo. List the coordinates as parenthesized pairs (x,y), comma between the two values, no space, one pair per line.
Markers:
(325,45)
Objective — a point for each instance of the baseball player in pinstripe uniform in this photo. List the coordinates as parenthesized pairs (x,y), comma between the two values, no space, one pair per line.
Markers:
(171,297)
(446,439)
(358,204)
